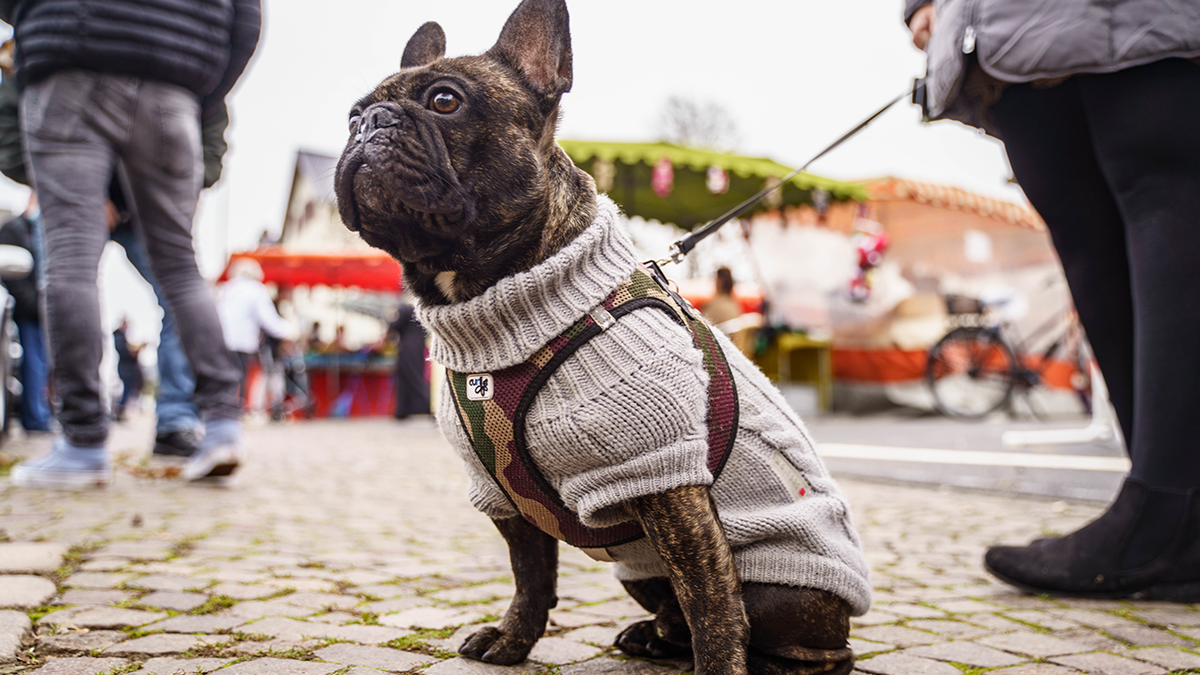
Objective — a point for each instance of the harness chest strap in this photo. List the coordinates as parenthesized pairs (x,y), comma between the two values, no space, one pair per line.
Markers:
(492,408)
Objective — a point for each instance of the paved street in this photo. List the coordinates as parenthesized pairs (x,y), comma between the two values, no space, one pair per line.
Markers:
(351,548)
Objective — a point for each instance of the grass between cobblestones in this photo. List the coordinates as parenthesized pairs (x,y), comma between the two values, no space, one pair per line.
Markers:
(419,642)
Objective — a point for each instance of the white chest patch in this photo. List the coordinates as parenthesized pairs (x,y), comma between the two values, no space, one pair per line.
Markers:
(445,283)
(479,387)
(791,477)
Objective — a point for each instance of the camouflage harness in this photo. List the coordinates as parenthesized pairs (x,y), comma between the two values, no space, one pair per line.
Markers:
(493,406)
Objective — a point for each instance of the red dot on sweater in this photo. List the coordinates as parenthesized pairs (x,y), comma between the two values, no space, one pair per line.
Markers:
(803,492)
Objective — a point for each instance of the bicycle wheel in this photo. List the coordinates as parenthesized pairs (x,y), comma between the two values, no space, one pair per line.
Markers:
(970,372)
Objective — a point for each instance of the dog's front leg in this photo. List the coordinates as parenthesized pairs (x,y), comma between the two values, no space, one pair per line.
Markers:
(534,557)
(683,527)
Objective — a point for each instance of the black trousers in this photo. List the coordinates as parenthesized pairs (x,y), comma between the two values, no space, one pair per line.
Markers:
(1112,163)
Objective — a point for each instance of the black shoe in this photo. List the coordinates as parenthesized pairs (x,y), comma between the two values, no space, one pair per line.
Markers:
(1148,543)
(182,443)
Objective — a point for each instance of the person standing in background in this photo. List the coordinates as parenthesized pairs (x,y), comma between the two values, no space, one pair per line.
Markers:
(246,313)
(126,96)
(411,387)
(723,306)
(129,370)
(1097,104)
(23,231)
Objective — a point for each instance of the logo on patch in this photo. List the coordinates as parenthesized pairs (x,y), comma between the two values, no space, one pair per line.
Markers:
(479,387)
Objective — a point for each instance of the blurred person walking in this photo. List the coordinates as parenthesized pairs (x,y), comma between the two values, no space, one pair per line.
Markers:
(129,370)
(126,93)
(246,313)
(177,425)
(410,386)
(24,231)
(1097,104)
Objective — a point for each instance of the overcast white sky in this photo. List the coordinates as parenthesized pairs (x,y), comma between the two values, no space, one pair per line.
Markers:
(794,75)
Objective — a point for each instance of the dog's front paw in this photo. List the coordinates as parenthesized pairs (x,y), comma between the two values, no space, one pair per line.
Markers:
(493,645)
(641,639)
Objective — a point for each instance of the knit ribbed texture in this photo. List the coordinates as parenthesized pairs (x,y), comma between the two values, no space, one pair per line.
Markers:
(519,314)
(624,417)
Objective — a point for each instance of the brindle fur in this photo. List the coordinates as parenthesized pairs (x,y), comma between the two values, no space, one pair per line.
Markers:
(463,200)
(485,192)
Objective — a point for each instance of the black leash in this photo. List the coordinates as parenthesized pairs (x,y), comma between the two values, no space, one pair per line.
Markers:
(685,245)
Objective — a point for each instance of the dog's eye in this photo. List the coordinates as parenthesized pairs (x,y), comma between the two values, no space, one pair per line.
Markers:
(445,102)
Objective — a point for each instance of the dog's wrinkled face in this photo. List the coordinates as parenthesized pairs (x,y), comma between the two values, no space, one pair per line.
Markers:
(450,162)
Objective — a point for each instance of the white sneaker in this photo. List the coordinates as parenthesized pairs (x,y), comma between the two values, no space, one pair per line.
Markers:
(220,452)
(66,466)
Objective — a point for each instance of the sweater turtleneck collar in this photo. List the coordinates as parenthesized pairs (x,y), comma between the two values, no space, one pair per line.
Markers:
(519,314)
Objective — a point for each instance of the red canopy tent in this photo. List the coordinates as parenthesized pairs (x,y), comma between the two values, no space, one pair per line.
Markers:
(365,386)
(367,268)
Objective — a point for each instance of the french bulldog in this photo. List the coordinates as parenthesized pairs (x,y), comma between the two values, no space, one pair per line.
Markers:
(452,167)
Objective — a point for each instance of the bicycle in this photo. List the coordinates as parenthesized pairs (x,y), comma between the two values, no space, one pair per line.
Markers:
(976,368)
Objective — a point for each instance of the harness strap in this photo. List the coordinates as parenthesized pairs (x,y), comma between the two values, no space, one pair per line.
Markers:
(493,407)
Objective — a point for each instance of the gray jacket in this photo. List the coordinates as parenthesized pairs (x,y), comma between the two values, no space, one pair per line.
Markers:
(1026,40)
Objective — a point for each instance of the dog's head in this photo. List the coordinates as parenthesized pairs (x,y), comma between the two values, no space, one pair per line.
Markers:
(451,165)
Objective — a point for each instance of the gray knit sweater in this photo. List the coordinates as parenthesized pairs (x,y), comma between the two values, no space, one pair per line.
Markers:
(624,417)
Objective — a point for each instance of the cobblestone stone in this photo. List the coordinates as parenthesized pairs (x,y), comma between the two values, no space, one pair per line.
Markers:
(79,665)
(1169,617)
(461,666)
(13,628)
(178,602)
(1098,663)
(1171,659)
(557,651)
(374,657)
(606,666)
(165,643)
(1034,644)
(966,652)
(31,558)
(206,623)
(1037,669)
(272,666)
(897,635)
(169,666)
(82,641)
(1144,636)
(905,664)
(95,597)
(101,617)
(430,617)
(25,590)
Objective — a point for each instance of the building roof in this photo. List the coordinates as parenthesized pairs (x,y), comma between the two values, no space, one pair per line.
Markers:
(955,199)
(318,170)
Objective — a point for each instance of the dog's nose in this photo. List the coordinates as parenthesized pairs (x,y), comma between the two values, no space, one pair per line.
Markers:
(378,116)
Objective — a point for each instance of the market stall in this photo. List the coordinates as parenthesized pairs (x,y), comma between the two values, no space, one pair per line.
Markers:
(340,384)
(688,187)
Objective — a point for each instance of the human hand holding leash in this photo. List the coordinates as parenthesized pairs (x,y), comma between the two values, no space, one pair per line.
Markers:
(924,22)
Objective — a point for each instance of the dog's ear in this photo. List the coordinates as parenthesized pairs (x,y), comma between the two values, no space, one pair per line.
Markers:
(427,45)
(536,41)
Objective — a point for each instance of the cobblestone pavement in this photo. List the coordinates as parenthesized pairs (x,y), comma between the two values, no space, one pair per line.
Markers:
(350,548)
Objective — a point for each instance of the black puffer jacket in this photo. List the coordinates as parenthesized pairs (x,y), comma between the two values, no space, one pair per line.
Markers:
(201,45)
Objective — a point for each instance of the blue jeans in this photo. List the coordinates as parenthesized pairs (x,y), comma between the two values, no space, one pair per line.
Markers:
(81,126)
(174,407)
(35,405)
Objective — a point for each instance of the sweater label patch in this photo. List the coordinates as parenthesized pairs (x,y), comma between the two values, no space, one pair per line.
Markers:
(792,479)
(479,387)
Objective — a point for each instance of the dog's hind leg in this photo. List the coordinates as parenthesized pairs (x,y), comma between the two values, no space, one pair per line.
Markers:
(666,635)
(797,631)
(534,557)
